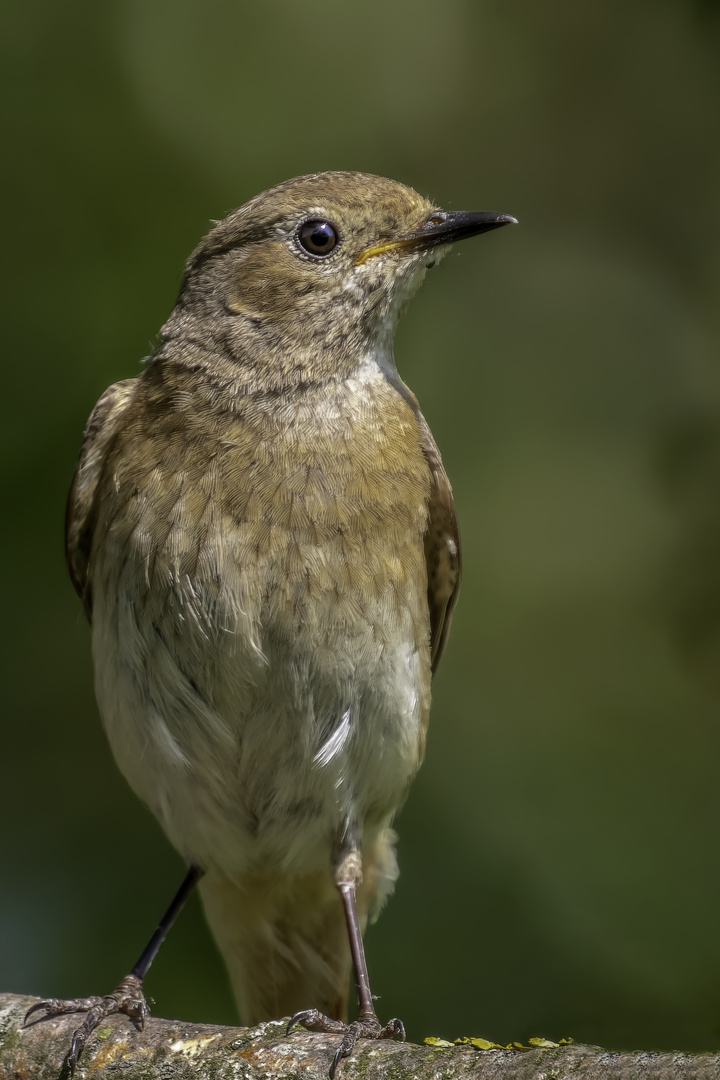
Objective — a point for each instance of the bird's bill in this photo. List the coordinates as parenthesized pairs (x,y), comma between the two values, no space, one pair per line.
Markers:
(442,227)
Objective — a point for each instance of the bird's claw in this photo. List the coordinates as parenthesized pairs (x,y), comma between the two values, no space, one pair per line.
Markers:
(314,1020)
(128,998)
(367,1027)
(59,1007)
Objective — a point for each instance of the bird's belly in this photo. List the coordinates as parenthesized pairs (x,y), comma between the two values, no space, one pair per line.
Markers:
(262,711)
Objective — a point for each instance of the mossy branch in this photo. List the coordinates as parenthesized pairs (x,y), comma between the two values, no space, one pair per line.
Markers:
(174,1050)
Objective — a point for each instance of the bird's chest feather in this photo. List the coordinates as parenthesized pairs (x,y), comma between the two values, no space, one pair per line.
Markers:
(260,608)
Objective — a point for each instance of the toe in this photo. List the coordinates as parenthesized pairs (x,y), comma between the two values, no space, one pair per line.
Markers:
(58,1007)
(76,1048)
(314,1020)
(392,1028)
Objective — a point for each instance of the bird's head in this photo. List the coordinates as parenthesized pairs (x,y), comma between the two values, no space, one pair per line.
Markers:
(310,276)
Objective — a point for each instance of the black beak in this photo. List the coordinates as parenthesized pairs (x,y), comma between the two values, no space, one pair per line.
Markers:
(445,228)
(442,227)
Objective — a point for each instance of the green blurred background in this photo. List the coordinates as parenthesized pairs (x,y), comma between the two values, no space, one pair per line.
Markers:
(559,852)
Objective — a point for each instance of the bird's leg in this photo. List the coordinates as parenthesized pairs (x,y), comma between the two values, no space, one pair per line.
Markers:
(348,875)
(128,997)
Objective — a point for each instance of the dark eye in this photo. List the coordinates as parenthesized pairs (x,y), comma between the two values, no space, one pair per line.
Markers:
(318,238)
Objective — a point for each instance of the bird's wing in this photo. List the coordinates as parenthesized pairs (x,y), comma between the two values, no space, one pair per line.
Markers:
(442,549)
(80,513)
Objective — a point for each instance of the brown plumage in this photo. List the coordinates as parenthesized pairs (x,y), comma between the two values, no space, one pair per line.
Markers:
(263,536)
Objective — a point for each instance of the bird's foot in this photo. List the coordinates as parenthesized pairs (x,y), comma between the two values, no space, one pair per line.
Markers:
(365,1027)
(128,999)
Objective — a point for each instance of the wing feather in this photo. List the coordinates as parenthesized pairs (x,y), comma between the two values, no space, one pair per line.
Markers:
(442,549)
(80,513)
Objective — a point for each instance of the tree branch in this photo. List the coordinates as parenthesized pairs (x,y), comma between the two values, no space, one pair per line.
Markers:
(174,1050)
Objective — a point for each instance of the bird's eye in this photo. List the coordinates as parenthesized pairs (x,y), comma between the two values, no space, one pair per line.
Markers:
(318,238)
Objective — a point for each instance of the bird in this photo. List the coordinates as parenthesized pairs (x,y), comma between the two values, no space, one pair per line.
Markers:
(263,537)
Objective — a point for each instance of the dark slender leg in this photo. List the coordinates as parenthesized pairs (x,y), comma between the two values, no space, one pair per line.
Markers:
(128,997)
(366,1009)
(367,1026)
(153,946)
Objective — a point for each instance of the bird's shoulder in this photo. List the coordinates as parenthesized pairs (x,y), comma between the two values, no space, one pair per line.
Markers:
(104,423)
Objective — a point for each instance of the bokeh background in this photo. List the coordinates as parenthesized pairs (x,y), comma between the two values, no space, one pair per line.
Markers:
(560,851)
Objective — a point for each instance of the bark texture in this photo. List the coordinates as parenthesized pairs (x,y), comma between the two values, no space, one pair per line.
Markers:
(174,1050)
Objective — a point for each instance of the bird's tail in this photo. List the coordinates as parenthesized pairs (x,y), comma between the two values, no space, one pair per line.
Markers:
(284,939)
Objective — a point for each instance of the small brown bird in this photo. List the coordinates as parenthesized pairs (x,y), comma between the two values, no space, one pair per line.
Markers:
(263,536)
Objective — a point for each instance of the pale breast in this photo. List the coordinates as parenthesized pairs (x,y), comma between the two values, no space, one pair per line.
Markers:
(260,621)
